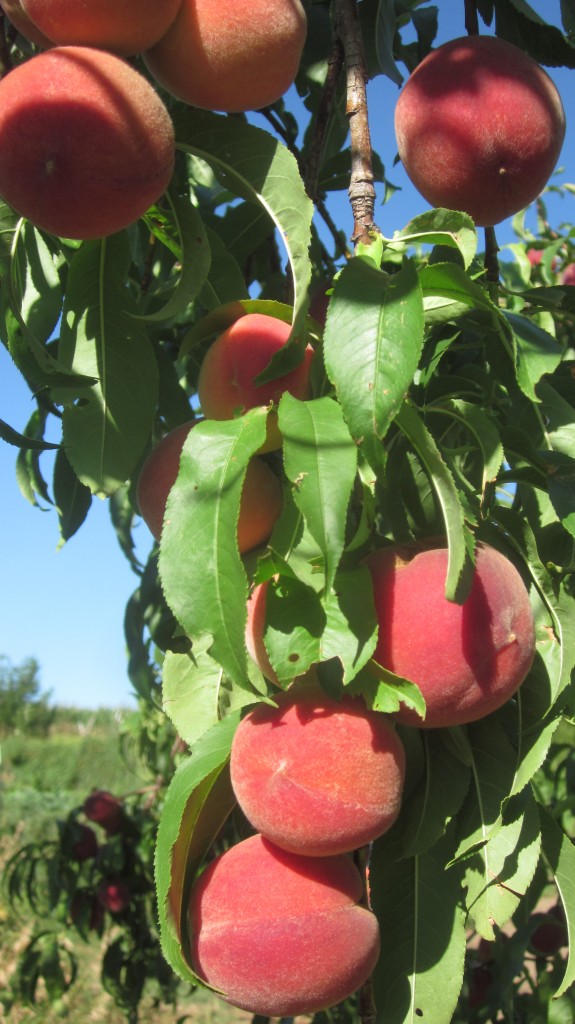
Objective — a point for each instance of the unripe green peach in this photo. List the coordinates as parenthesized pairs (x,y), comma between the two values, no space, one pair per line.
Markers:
(479,128)
(232,56)
(226,381)
(317,776)
(86,144)
(260,503)
(125,27)
(280,934)
(467,659)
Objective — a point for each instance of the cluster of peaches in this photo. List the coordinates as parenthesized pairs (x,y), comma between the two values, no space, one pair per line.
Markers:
(319,778)
(86,143)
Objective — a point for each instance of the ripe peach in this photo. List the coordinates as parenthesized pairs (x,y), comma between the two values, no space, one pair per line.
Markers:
(236,358)
(114,895)
(281,934)
(318,776)
(466,659)
(241,55)
(86,144)
(106,810)
(261,499)
(125,28)
(479,128)
(23,24)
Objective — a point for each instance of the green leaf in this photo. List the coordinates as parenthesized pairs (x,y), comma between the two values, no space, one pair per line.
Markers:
(498,875)
(437,798)
(295,621)
(194,255)
(559,853)
(350,632)
(417,902)
(536,353)
(385,29)
(11,436)
(481,425)
(200,567)
(441,227)
(196,805)
(493,765)
(107,426)
(386,692)
(320,459)
(372,344)
(35,282)
(195,692)
(459,566)
(448,281)
(256,167)
(225,281)
(71,497)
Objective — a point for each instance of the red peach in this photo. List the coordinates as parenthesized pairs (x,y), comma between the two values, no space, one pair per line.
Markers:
(479,128)
(86,912)
(106,810)
(317,776)
(466,659)
(568,275)
(261,499)
(86,144)
(230,366)
(125,28)
(241,55)
(280,934)
(114,895)
(534,256)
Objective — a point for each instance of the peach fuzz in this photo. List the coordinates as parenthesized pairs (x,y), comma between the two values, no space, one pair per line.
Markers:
(317,776)
(281,934)
(468,659)
(479,128)
(237,56)
(226,381)
(86,144)
(261,499)
(125,27)
(23,24)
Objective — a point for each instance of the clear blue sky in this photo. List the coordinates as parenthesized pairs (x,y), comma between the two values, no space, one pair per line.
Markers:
(65,607)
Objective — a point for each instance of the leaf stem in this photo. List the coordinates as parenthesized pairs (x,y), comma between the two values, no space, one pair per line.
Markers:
(361,189)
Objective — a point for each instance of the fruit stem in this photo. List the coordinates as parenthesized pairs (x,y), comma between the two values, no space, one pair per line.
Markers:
(491,264)
(361,189)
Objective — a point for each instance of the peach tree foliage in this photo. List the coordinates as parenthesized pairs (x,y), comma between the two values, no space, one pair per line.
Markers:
(442,406)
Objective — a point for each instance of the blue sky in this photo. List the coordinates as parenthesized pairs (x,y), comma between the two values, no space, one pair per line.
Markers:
(65,607)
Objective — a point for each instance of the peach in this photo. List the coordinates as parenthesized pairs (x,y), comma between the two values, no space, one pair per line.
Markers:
(467,659)
(317,776)
(230,366)
(125,27)
(568,275)
(280,934)
(23,24)
(241,55)
(261,499)
(86,144)
(479,128)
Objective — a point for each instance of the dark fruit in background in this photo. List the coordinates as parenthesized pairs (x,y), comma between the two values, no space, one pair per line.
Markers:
(106,810)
